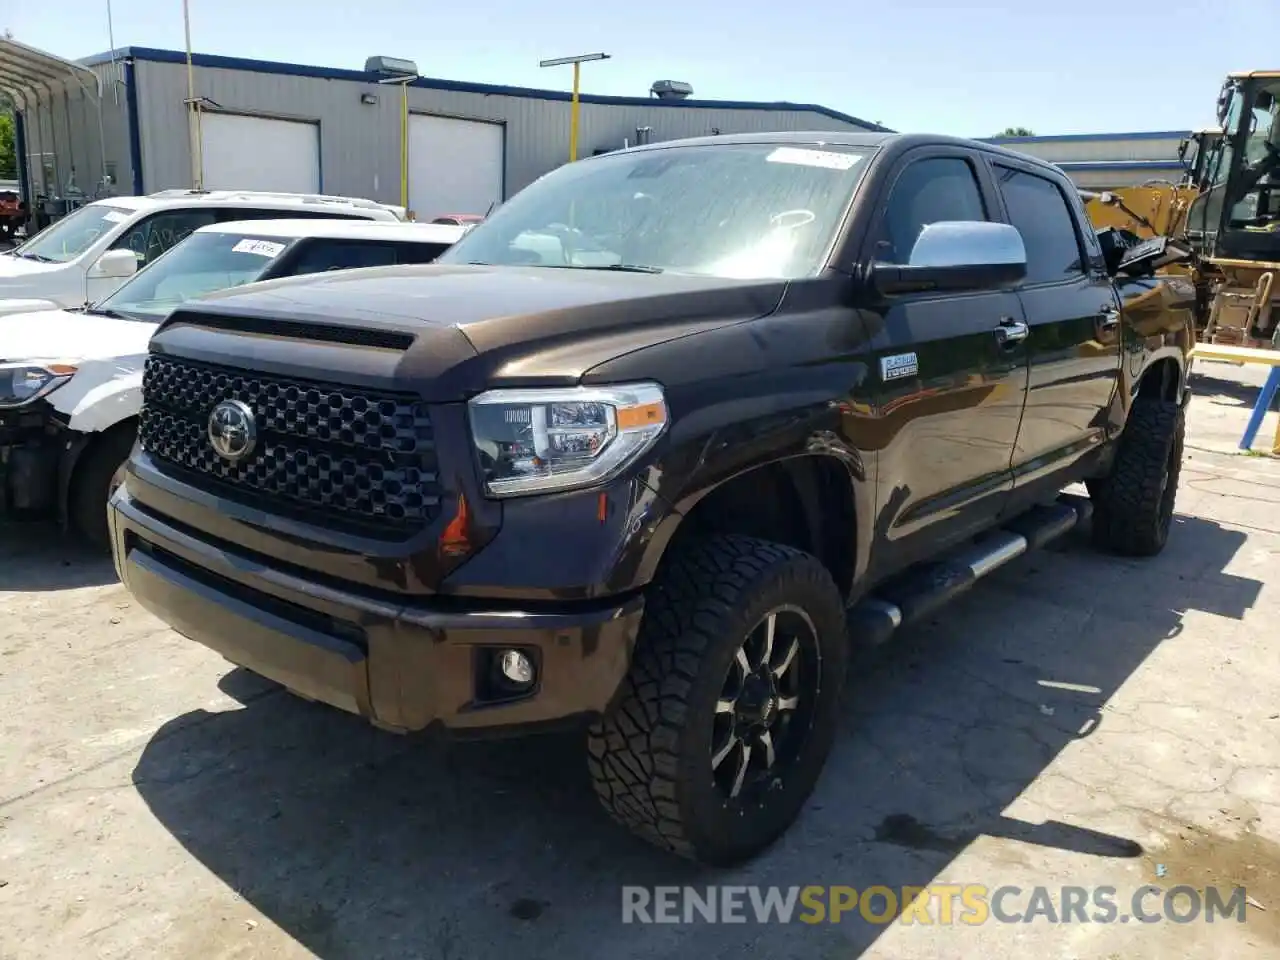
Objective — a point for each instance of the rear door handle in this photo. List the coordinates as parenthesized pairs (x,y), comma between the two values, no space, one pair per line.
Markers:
(1011,331)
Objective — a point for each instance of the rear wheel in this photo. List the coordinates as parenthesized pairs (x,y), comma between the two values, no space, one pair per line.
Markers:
(98,474)
(1133,505)
(728,713)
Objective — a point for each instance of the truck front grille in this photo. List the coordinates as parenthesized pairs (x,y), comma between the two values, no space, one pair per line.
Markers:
(333,451)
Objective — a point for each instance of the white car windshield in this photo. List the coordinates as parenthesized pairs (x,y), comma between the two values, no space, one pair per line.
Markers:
(73,234)
(203,263)
(746,211)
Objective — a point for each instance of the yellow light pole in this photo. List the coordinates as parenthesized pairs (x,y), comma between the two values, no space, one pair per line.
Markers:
(577,62)
(404,82)
(194,125)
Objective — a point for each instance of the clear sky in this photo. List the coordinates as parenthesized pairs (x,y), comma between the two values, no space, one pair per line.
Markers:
(970,68)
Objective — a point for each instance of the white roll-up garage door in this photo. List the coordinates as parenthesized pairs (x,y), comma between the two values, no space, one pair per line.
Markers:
(257,153)
(455,166)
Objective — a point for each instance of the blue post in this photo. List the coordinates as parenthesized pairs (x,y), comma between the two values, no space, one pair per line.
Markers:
(1260,408)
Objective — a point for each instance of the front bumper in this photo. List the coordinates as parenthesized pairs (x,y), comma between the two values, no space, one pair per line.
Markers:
(403,666)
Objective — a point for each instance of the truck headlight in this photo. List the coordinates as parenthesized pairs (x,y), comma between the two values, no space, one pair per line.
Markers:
(543,440)
(28,380)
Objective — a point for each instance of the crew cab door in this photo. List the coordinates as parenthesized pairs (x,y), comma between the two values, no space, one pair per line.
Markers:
(950,385)
(1073,340)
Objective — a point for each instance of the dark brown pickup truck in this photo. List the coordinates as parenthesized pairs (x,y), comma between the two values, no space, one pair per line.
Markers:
(654,448)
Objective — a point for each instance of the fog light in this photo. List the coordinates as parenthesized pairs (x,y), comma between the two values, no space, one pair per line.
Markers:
(516,667)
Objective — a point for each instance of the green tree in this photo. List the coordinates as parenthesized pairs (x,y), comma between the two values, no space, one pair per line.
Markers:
(1015,132)
(8,143)
(8,149)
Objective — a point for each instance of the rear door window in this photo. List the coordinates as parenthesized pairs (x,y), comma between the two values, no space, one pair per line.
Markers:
(321,255)
(154,235)
(1039,210)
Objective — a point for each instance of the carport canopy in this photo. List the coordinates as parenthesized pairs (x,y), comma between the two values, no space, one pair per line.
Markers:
(27,73)
(30,77)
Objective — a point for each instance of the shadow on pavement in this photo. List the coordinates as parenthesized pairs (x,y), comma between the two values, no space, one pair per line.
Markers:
(1225,390)
(38,556)
(364,845)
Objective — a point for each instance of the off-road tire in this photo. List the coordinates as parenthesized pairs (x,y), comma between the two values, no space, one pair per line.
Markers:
(91,485)
(1133,504)
(649,756)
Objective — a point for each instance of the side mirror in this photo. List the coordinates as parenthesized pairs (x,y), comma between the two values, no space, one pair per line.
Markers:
(114,265)
(1224,102)
(957,255)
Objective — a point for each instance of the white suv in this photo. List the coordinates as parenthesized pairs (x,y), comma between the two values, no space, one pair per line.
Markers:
(88,253)
(71,380)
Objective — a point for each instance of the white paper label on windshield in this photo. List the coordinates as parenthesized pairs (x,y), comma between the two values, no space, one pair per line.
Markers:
(814,158)
(263,248)
(115,216)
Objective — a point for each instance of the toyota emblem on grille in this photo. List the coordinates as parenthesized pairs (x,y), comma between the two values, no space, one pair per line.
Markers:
(233,432)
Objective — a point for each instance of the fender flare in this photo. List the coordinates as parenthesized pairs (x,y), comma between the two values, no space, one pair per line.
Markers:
(801,481)
(1181,360)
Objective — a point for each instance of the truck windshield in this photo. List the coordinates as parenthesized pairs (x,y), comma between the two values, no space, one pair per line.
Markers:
(201,264)
(73,234)
(746,211)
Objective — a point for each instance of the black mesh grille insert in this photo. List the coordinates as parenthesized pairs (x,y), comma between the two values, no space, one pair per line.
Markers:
(339,451)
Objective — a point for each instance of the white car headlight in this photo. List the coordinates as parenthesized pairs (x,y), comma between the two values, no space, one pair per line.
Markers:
(25,381)
(544,440)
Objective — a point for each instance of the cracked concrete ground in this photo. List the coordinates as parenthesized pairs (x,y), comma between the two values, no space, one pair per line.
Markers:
(1076,720)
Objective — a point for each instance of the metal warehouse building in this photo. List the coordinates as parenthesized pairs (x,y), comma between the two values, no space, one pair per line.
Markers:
(1107,161)
(280,126)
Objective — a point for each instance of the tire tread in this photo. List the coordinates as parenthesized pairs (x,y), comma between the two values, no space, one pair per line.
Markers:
(634,752)
(1127,503)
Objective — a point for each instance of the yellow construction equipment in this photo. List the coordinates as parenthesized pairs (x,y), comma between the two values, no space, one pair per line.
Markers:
(1157,207)
(1226,209)
(1234,222)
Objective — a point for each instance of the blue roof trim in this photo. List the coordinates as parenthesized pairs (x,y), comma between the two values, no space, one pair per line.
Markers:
(1118,164)
(216,61)
(1093,137)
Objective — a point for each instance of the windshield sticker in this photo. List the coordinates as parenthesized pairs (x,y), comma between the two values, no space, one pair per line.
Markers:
(115,216)
(815,158)
(263,248)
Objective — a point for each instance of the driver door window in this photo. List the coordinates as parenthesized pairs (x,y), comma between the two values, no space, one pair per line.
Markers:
(928,191)
(152,236)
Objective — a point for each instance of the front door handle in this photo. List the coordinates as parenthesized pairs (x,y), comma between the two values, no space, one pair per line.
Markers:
(1011,331)
(1109,318)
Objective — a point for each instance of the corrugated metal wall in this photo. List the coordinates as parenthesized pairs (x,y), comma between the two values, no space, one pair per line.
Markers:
(360,143)
(1100,148)
(1106,161)
(1105,179)
(65,131)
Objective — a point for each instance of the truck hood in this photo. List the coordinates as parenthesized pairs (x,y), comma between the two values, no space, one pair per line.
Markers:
(18,268)
(11,305)
(470,327)
(62,334)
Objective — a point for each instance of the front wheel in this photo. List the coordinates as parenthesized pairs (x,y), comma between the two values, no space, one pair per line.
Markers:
(731,704)
(99,473)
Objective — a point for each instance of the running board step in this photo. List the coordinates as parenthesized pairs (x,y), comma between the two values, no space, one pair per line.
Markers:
(875,618)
